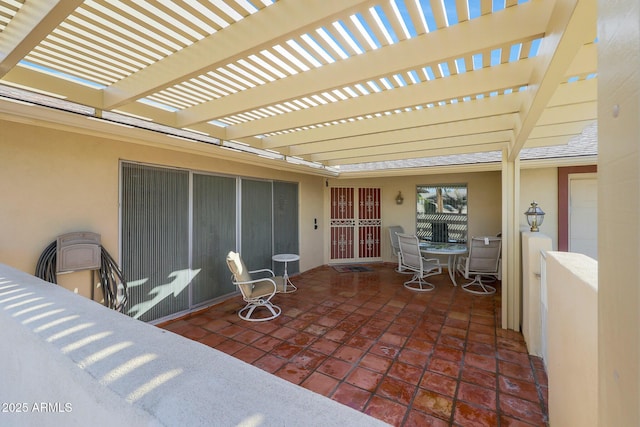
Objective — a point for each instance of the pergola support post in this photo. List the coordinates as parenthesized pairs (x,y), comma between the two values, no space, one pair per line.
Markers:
(511,287)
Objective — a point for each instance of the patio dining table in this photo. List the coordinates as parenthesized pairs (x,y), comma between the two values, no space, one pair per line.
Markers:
(452,250)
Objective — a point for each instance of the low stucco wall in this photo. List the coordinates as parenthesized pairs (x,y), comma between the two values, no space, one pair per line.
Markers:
(572,338)
(533,244)
(69,361)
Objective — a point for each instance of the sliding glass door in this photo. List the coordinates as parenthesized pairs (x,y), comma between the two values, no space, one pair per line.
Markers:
(155,240)
(269,223)
(285,224)
(178,226)
(256,245)
(214,235)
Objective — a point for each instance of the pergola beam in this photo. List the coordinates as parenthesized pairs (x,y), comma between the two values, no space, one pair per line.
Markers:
(278,22)
(525,22)
(569,113)
(481,142)
(31,24)
(572,25)
(468,128)
(458,150)
(485,107)
(558,129)
(574,93)
(510,75)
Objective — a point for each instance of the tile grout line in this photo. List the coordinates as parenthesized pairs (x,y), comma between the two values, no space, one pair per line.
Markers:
(425,368)
(462,364)
(543,408)
(497,354)
(384,375)
(354,364)
(417,387)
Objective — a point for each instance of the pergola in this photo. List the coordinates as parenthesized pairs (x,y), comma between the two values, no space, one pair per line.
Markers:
(331,87)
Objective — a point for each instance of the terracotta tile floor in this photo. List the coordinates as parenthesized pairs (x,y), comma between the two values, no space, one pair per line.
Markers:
(408,358)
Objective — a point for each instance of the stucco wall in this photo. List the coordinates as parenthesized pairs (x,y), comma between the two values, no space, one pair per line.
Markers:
(540,185)
(572,338)
(54,182)
(483,192)
(533,245)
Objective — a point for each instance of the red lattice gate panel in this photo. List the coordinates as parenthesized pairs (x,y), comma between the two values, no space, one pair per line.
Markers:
(355,233)
(369,223)
(342,223)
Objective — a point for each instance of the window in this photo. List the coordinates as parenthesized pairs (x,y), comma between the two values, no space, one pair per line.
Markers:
(441,213)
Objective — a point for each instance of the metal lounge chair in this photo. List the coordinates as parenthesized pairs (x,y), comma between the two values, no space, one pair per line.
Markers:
(394,230)
(482,263)
(412,260)
(256,291)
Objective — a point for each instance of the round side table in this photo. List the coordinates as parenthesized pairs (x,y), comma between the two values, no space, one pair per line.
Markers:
(286,258)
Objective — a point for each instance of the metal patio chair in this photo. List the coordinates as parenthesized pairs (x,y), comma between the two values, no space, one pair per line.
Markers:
(483,265)
(412,260)
(256,291)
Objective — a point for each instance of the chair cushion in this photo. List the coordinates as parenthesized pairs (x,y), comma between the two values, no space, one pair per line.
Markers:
(261,289)
(241,274)
(279,283)
(237,267)
(431,264)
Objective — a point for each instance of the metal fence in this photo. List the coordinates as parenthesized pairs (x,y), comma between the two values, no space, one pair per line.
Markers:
(442,227)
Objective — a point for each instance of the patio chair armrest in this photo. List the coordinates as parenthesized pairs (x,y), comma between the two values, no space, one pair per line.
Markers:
(263,270)
(462,266)
(253,281)
(432,264)
(259,280)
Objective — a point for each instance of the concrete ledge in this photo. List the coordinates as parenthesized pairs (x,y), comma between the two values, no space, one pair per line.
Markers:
(69,361)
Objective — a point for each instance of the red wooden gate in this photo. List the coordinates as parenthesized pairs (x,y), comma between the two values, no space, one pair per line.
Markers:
(355,233)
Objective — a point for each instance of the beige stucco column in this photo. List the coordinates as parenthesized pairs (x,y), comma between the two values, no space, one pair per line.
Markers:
(618,212)
(511,295)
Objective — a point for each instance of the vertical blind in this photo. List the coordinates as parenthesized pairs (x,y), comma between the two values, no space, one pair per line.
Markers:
(155,240)
(257,223)
(214,225)
(178,226)
(285,224)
